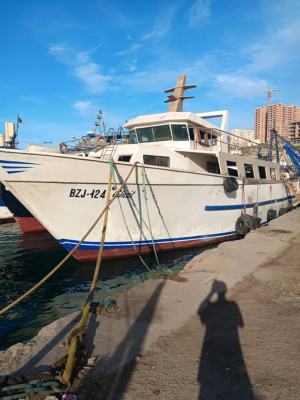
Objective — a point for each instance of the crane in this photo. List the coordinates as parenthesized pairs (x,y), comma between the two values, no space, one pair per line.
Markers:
(266,91)
(292,151)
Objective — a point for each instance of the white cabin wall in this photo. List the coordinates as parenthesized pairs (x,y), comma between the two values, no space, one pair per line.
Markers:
(241,160)
(198,162)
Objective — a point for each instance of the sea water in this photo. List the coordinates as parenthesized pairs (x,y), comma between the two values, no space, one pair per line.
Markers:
(26,258)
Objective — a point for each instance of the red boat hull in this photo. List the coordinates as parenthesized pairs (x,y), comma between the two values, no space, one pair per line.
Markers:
(29,224)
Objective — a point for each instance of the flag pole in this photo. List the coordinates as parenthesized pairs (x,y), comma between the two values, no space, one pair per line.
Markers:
(17,129)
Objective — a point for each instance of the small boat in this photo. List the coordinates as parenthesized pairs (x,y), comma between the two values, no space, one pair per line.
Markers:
(5,214)
(184,187)
(8,140)
(18,212)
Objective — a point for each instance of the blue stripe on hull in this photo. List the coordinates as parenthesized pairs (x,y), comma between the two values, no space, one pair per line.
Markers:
(251,205)
(70,244)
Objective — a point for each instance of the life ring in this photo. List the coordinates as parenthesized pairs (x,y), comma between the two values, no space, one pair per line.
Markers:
(63,147)
(101,137)
(230,184)
(242,226)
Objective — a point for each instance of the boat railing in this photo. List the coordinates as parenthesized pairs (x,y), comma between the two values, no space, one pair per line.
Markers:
(92,141)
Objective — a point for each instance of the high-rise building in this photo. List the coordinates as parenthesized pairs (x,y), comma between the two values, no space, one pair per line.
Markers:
(294,131)
(274,115)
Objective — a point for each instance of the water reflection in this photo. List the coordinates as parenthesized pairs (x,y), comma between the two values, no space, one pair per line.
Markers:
(26,259)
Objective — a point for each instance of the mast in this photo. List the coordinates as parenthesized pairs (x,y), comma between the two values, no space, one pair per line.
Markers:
(177,98)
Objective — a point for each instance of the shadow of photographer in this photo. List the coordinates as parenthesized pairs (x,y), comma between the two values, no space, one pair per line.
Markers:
(222,370)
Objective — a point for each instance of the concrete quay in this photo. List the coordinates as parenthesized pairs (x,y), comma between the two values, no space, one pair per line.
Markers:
(157,308)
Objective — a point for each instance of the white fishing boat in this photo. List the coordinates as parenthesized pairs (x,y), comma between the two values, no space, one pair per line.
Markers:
(185,190)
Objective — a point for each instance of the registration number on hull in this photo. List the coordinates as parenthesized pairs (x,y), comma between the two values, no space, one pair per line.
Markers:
(97,193)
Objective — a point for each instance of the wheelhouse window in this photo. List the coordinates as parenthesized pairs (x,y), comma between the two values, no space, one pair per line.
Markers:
(158,161)
(154,134)
(162,133)
(180,132)
(145,135)
(249,170)
(232,168)
(191,133)
(262,172)
(203,137)
(132,137)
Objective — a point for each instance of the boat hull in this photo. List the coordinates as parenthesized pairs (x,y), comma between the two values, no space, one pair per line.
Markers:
(124,252)
(172,209)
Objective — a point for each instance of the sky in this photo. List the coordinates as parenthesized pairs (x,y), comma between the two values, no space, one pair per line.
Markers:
(64,60)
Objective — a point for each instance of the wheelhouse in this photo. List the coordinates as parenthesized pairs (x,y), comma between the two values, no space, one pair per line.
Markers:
(174,132)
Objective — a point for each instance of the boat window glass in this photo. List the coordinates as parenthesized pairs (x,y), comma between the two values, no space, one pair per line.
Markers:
(262,172)
(124,158)
(249,170)
(273,173)
(191,133)
(145,135)
(232,168)
(162,132)
(180,132)
(132,137)
(159,161)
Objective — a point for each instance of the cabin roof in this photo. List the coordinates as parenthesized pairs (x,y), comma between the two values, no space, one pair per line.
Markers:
(168,117)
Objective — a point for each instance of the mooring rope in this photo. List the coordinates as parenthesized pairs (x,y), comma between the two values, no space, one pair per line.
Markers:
(4,310)
(99,258)
(244,197)
(78,333)
(126,225)
(28,389)
(150,227)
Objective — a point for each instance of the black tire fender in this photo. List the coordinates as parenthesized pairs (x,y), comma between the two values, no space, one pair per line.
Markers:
(230,184)
(281,211)
(250,220)
(242,226)
(271,214)
(257,223)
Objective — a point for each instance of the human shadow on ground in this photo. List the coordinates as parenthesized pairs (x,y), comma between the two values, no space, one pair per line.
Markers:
(125,357)
(222,370)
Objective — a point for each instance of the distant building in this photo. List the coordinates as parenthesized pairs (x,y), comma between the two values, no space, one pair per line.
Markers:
(294,131)
(274,115)
(238,137)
